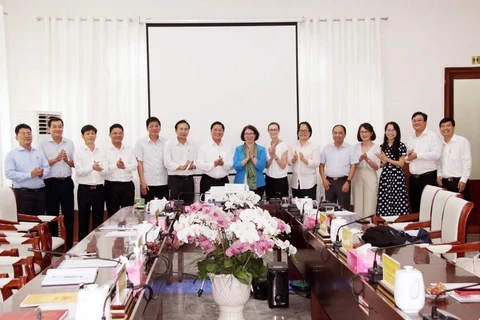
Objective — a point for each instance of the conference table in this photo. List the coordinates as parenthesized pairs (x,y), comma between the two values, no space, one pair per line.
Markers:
(331,279)
(106,246)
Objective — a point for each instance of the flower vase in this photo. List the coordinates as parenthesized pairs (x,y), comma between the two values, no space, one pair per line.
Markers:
(230,295)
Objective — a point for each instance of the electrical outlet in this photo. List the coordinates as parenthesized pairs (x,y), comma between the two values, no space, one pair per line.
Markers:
(476,60)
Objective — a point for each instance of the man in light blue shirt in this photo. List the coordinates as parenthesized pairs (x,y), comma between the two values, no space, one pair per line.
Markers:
(337,168)
(26,166)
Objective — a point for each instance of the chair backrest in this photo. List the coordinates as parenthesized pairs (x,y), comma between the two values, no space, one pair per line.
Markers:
(426,202)
(8,205)
(454,222)
(438,207)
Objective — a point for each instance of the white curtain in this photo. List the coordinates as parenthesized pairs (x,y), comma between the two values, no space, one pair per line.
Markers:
(6,134)
(340,76)
(96,74)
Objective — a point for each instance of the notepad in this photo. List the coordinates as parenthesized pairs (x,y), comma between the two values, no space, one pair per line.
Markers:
(65,277)
(41,299)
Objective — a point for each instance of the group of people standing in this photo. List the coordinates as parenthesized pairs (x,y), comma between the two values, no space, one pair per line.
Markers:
(42,180)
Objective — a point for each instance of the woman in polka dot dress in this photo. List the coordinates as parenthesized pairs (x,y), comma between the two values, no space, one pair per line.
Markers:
(392,189)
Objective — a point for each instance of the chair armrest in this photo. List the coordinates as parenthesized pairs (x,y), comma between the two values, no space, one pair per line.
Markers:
(435,234)
(28,218)
(378,221)
(7,222)
(418,225)
(465,247)
(408,217)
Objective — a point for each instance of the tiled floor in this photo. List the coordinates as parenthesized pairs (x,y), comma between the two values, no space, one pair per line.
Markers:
(181,302)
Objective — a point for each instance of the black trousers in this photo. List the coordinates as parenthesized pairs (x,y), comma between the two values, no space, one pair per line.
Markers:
(156,192)
(302,193)
(118,195)
(59,194)
(416,185)
(451,184)
(206,182)
(181,188)
(30,201)
(335,194)
(260,191)
(276,188)
(90,204)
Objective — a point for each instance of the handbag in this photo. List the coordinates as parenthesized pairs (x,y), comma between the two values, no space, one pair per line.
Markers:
(472,265)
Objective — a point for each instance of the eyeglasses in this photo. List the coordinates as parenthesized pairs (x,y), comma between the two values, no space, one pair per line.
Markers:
(390,130)
(25,134)
(249,133)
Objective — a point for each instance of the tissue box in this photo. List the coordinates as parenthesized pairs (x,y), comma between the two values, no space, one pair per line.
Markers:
(309,222)
(361,262)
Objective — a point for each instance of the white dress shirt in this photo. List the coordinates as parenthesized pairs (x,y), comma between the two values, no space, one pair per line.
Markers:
(274,171)
(428,147)
(151,154)
(177,154)
(302,174)
(371,154)
(51,149)
(456,160)
(127,154)
(208,153)
(84,159)
(338,160)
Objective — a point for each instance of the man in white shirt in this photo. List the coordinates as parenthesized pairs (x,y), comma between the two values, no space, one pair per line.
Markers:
(180,158)
(58,183)
(455,165)
(215,159)
(337,168)
(119,187)
(89,162)
(151,168)
(423,151)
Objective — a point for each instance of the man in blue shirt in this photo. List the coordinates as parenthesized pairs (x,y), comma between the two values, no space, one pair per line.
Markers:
(26,166)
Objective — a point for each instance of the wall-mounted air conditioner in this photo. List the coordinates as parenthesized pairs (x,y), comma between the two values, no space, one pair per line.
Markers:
(37,120)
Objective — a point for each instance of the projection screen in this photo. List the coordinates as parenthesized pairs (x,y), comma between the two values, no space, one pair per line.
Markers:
(238,74)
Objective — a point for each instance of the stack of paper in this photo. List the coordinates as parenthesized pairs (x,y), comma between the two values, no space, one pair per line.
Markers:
(62,277)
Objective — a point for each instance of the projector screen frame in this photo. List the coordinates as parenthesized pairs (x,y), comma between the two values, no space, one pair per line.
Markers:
(224,24)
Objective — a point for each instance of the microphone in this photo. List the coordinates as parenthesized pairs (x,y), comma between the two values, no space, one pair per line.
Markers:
(181,202)
(109,295)
(375,274)
(61,254)
(337,244)
(303,212)
(317,226)
(435,314)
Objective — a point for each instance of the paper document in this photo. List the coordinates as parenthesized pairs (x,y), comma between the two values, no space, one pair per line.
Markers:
(116,227)
(127,233)
(63,277)
(87,263)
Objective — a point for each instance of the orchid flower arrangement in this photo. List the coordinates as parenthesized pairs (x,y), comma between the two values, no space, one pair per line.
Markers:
(235,239)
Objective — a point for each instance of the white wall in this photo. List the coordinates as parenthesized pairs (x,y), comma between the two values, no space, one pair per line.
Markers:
(420,39)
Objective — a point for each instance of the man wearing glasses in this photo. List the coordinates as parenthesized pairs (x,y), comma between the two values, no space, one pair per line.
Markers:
(424,148)
(26,166)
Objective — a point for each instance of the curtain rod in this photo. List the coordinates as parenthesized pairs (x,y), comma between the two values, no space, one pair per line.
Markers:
(213,21)
(152,20)
(85,19)
(347,19)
